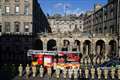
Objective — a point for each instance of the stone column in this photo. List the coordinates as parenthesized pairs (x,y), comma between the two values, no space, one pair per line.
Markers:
(81,47)
(58,44)
(106,51)
(45,45)
(71,45)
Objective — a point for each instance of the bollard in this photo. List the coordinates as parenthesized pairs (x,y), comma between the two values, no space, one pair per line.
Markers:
(93,72)
(41,70)
(86,73)
(105,72)
(34,70)
(99,72)
(27,70)
(113,72)
(20,69)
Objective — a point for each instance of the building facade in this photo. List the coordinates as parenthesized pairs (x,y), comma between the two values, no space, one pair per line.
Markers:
(40,21)
(16,16)
(66,24)
(17,28)
(104,20)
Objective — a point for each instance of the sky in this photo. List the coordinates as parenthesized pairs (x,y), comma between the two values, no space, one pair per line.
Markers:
(69,6)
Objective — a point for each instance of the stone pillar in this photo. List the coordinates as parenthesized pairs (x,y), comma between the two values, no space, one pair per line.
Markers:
(106,51)
(93,48)
(58,44)
(71,45)
(45,45)
(81,47)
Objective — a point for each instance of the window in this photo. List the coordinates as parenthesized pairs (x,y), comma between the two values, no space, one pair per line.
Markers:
(16,9)
(26,26)
(26,9)
(17,26)
(7,9)
(7,26)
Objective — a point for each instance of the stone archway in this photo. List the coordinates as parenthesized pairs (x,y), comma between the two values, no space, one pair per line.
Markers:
(66,45)
(112,48)
(76,45)
(51,45)
(38,44)
(100,48)
(87,47)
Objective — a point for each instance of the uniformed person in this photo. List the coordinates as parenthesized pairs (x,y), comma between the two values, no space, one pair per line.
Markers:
(113,72)
(34,70)
(20,69)
(93,72)
(49,71)
(57,73)
(70,72)
(41,70)
(80,72)
(75,73)
(65,73)
(118,72)
(86,73)
(27,70)
(105,72)
(99,72)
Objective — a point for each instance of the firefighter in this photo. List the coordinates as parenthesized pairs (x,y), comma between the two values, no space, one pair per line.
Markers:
(20,69)
(93,72)
(99,72)
(113,72)
(34,70)
(105,72)
(86,73)
(41,70)
(27,70)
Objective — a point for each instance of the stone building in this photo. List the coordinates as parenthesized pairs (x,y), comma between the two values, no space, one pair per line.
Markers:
(16,16)
(65,24)
(17,28)
(104,19)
